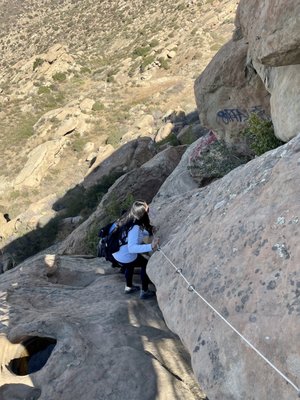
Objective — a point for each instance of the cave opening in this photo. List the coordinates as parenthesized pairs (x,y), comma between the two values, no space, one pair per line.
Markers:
(37,351)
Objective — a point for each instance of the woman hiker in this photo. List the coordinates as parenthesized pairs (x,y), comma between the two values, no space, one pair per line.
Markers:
(135,224)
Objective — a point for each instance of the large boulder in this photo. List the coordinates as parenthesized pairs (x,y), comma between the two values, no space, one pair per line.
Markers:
(263,56)
(140,183)
(40,160)
(227,92)
(272,30)
(129,156)
(237,242)
(68,331)
(14,234)
(63,121)
(283,83)
(180,180)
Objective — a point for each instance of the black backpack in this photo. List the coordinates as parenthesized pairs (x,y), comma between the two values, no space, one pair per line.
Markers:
(110,242)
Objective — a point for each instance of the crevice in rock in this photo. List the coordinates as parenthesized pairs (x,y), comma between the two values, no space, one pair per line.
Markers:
(36,353)
(172,373)
(164,366)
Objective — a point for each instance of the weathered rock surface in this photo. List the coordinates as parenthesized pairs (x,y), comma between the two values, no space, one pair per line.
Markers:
(265,48)
(141,183)
(131,155)
(226,95)
(272,29)
(236,241)
(107,345)
(63,121)
(164,131)
(43,66)
(180,180)
(39,161)
(36,216)
(283,83)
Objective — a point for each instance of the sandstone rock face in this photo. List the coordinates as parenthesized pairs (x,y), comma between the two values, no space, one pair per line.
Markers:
(7,262)
(226,96)
(87,105)
(140,183)
(283,83)
(105,344)
(63,121)
(39,161)
(131,155)
(164,131)
(272,29)
(180,180)
(265,48)
(2,220)
(36,216)
(236,241)
(42,66)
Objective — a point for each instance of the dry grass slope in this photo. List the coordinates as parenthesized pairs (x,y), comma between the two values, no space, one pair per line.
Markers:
(131,58)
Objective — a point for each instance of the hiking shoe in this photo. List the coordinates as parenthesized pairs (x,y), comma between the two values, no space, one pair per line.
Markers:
(146,294)
(131,289)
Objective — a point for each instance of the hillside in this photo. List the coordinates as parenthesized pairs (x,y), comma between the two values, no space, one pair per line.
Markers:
(111,102)
(131,59)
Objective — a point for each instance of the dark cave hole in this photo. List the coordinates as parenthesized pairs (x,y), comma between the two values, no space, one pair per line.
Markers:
(37,350)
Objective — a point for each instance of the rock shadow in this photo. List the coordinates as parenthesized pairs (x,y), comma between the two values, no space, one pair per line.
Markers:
(19,391)
(72,209)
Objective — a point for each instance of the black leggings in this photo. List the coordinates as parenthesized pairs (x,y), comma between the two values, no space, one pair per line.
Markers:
(140,262)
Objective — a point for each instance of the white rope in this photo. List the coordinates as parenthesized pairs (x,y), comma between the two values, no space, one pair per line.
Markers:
(191,288)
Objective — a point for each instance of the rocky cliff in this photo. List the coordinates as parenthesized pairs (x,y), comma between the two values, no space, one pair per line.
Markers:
(228,236)
(236,242)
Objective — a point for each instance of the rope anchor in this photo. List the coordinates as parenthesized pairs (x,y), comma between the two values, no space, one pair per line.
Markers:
(191,288)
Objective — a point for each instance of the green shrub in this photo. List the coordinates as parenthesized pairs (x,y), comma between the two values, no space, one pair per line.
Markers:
(146,61)
(80,201)
(44,90)
(164,63)
(49,99)
(97,106)
(91,240)
(110,75)
(113,211)
(78,143)
(59,77)
(133,69)
(141,51)
(24,128)
(37,63)
(260,136)
(114,137)
(15,194)
(110,79)
(116,207)
(180,7)
(85,70)
(154,43)
(215,47)
(170,139)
